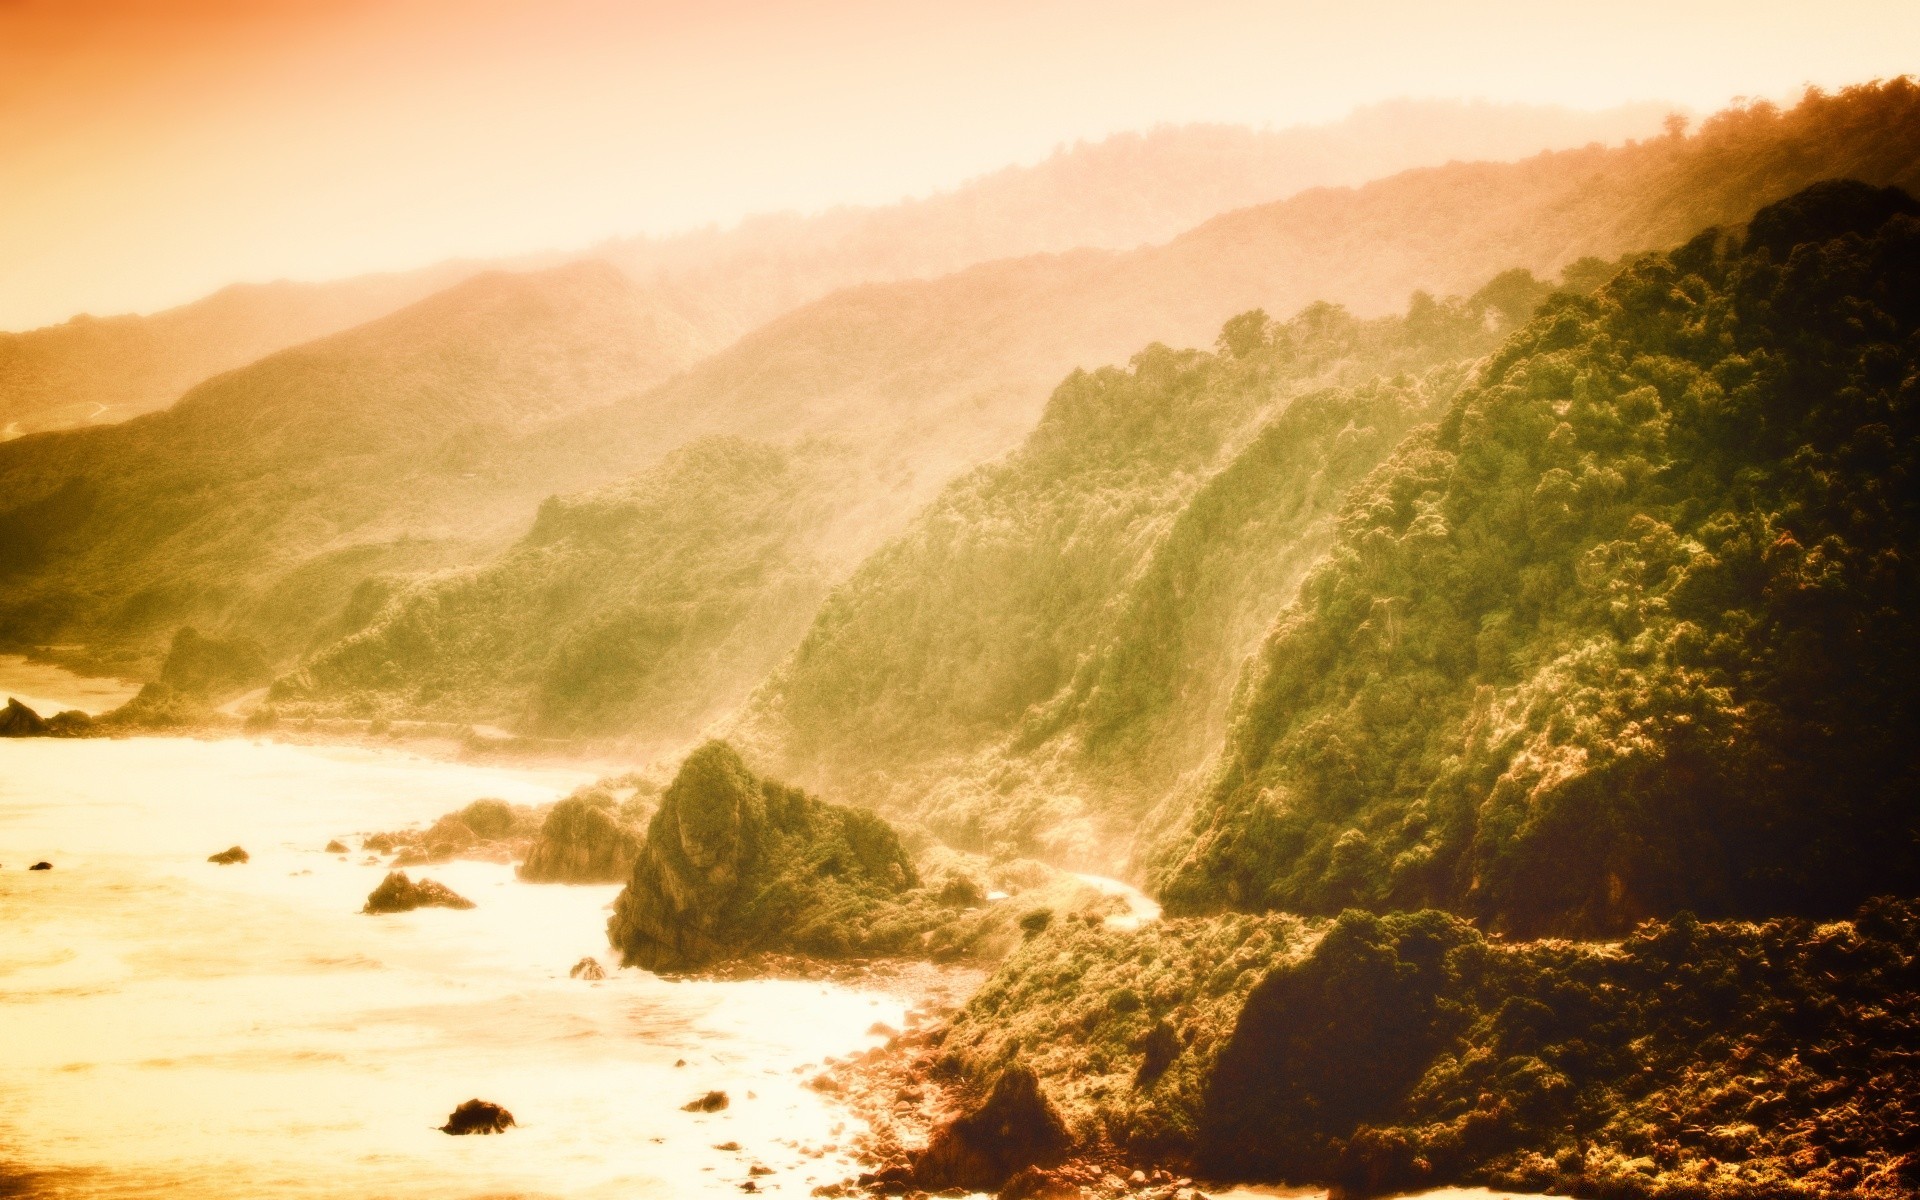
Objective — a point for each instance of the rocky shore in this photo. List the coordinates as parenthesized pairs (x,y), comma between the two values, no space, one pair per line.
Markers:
(1376,1055)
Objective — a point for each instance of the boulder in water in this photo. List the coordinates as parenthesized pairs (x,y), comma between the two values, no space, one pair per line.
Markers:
(588,968)
(17,720)
(397,893)
(41,866)
(711,1102)
(1016,1128)
(232,854)
(336,847)
(477,1116)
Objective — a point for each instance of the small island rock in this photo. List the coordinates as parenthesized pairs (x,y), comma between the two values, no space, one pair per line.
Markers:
(232,854)
(477,1116)
(588,968)
(41,866)
(17,720)
(397,893)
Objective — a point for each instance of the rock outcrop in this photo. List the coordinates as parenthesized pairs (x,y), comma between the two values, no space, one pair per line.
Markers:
(17,720)
(397,893)
(734,863)
(229,856)
(1013,1129)
(588,969)
(488,830)
(583,840)
(41,866)
(478,1116)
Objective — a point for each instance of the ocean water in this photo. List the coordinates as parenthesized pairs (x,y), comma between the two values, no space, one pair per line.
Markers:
(173,1027)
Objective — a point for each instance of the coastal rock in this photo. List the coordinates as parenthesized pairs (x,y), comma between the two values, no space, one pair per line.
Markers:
(589,969)
(1016,1128)
(487,830)
(735,863)
(232,854)
(711,1102)
(582,840)
(397,893)
(336,847)
(41,866)
(478,1116)
(17,720)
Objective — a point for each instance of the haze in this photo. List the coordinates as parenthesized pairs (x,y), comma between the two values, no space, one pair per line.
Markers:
(156,151)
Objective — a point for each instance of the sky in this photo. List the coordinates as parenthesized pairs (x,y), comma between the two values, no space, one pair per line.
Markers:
(154,150)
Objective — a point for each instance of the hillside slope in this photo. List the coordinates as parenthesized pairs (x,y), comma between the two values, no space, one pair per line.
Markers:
(362,445)
(656,602)
(1054,639)
(99,370)
(914,383)
(1628,631)
(928,378)
(1127,190)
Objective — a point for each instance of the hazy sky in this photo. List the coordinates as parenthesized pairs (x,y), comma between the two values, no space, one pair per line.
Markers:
(151,150)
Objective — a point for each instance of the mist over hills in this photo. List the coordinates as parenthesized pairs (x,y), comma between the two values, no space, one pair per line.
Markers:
(1119,192)
(318,464)
(99,370)
(911,383)
(1123,191)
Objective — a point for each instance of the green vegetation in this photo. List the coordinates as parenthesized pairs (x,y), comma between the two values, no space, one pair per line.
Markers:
(256,504)
(1627,631)
(1069,621)
(271,501)
(655,602)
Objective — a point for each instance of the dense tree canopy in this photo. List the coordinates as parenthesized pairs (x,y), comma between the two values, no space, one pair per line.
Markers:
(1631,629)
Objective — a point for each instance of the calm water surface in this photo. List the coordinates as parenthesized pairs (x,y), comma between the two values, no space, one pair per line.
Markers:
(168,1026)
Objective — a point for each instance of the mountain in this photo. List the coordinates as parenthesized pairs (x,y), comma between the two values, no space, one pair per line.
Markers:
(913,383)
(99,370)
(266,495)
(1127,190)
(940,674)
(927,378)
(656,601)
(1627,631)
(1051,643)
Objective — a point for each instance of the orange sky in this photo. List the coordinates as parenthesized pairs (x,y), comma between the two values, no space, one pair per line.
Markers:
(152,150)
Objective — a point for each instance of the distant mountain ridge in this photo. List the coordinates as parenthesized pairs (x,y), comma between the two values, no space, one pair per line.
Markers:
(100,370)
(911,383)
(1120,192)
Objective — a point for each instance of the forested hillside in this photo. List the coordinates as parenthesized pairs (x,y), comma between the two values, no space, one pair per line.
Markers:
(1065,626)
(914,383)
(1627,632)
(929,378)
(264,496)
(657,602)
